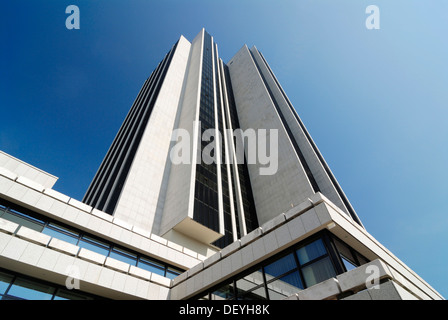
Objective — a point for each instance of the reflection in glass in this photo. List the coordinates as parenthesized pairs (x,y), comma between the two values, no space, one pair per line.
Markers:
(347,264)
(172,273)
(280,267)
(151,266)
(63,294)
(61,233)
(226,292)
(285,286)
(251,287)
(5,280)
(30,290)
(318,271)
(311,251)
(124,256)
(25,221)
(93,245)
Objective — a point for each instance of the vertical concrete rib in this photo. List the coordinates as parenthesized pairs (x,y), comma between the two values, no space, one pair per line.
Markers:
(236,197)
(218,150)
(196,129)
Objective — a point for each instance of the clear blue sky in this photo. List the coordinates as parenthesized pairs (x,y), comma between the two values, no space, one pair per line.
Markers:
(374,101)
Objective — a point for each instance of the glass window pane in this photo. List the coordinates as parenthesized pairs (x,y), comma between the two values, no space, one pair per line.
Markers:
(344,250)
(93,245)
(280,267)
(311,251)
(170,275)
(123,256)
(251,287)
(205,297)
(5,280)
(361,259)
(348,265)
(6,297)
(226,292)
(256,294)
(172,272)
(96,242)
(152,267)
(318,271)
(175,270)
(30,290)
(61,233)
(285,286)
(152,262)
(63,294)
(22,221)
(26,216)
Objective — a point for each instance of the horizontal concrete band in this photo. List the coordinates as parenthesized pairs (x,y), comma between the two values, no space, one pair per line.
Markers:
(75,213)
(95,274)
(288,229)
(81,253)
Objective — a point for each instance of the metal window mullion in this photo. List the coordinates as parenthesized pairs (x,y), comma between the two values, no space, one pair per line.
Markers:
(265,283)
(299,267)
(14,277)
(333,253)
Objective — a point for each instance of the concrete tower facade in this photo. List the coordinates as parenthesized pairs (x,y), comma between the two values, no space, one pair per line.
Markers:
(191,92)
(212,189)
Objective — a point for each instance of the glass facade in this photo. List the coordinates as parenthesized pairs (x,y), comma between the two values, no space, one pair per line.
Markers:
(18,287)
(250,215)
(32,220)
(208,190)
(223,199)
(206,209)
(317,259)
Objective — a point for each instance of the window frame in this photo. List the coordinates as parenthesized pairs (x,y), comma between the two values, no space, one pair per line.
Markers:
(332,254)
(10,208)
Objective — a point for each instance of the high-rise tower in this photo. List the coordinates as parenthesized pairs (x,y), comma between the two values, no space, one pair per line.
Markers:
(137,181)
(218,201)
(211,189)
